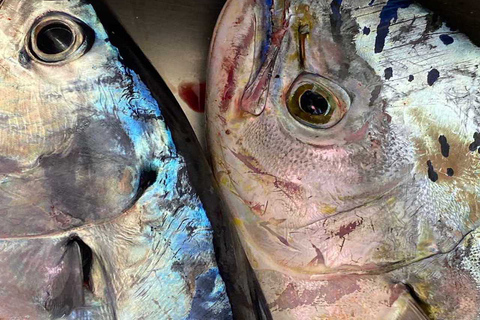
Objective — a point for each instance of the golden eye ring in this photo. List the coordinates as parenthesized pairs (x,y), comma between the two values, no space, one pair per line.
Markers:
(315,104)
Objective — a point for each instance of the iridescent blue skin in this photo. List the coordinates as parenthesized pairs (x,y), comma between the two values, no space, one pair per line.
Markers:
(88,165)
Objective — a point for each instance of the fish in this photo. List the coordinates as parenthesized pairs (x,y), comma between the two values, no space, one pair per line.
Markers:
(105,194)
(345,137)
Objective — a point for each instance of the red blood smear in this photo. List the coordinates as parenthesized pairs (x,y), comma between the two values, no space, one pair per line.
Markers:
(193,94)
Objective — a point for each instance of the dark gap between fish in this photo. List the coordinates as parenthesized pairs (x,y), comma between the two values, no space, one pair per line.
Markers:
(147,178)
(87,260)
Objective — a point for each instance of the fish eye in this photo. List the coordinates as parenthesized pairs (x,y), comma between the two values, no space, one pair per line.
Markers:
(56,38)
(316,104)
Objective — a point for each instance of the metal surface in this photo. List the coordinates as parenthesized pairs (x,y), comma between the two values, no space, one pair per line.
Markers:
(175,35)
(461,14)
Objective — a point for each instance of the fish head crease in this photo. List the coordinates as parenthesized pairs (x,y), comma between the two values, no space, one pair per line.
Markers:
(340,143)
(98,213)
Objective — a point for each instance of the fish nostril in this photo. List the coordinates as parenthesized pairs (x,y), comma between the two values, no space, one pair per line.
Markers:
(55,38)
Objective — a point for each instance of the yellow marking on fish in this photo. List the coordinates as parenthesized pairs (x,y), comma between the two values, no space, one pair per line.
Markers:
(424,290)
(224,180)
(426,241)
(305,16)
(391,201)
(238,222)
(293,57)
(327,209)
(304,21)
(465,164)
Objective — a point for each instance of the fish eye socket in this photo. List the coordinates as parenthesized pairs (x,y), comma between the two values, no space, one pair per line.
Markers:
(57,38)
(315,105)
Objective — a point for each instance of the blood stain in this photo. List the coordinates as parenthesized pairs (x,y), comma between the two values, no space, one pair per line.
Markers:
(193,94)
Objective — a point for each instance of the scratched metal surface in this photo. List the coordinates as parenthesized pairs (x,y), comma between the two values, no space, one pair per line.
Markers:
(175,35)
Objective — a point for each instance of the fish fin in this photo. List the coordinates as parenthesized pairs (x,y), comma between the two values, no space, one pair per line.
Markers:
(66,288)
(254,97)
(413,311)
(407,308)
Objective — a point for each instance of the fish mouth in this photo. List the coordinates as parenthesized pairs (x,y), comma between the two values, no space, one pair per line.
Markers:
(73,279)
(67,280)
(87,305)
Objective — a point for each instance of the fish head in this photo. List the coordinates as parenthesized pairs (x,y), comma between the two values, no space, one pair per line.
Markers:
(99,214)
(70,119)
(338,147)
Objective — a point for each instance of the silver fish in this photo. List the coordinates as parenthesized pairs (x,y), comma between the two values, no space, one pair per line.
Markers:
(100,198)
(345,137)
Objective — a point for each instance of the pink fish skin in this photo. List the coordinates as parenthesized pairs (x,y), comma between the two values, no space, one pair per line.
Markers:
(344,136)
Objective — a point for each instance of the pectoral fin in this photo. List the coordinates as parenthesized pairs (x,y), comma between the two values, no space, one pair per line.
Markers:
(66,289)
(407,308)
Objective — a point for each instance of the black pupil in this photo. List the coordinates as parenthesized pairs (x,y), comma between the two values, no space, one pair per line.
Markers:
(313,103)
(54,38)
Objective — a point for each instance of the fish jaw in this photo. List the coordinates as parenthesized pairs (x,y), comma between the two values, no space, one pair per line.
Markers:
(294,192)
(100,171)
(134,257)
(164,241)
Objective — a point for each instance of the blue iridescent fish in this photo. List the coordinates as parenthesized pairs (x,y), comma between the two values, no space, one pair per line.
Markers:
(103,188)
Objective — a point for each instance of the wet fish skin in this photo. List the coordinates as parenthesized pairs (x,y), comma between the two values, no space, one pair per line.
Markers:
(381,206)
(247,300)
(100,218)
